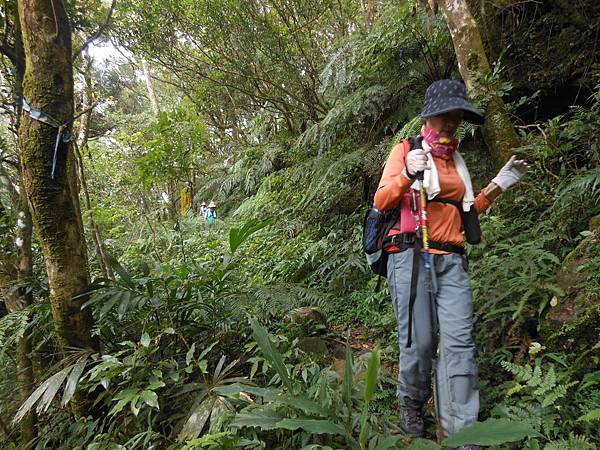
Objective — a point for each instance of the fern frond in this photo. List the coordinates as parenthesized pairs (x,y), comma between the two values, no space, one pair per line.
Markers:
(551,397)
(530,414)
(590,416)
(522,373)
(586,184)
(536,377)
(546,384)
(363,105)
(574,442)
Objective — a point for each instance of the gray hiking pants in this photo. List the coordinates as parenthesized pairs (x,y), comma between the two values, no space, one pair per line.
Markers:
(442,308)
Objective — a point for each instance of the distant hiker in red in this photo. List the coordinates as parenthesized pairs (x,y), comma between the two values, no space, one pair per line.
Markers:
(428,278)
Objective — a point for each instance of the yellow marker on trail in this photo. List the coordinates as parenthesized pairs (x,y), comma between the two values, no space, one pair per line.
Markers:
(184,201)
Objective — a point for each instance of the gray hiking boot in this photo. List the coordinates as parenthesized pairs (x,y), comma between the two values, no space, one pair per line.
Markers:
(411,416)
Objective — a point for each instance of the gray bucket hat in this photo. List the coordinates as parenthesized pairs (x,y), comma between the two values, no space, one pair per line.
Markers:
(448,95)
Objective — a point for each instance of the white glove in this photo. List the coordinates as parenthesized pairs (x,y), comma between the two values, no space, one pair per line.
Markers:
(512,172)
(416,161)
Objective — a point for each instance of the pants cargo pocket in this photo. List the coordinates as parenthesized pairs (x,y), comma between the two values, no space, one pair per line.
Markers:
(462,380)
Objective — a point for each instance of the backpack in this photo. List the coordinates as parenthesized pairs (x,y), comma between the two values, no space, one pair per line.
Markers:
(376,226)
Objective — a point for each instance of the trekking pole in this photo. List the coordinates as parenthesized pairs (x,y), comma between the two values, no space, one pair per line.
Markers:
(423,209)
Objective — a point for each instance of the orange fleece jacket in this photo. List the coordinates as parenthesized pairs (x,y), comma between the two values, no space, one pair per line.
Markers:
(444,221)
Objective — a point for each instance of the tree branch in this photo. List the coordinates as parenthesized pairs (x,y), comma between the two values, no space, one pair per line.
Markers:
(7,50)
(98,32)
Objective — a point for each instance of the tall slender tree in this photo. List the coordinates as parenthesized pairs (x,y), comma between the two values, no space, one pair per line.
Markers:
(48,86)
(16,264)
(498,131)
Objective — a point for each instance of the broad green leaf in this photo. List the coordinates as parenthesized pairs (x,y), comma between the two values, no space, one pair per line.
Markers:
(124,299)
(372,374)
(268,394)
(123,398)
(370,385)
(108,304)
(254,369)
(120,270)
(73,380)
(264,419)
(190,354)
(423,444)
(197,420)
(206,441)
(312,426)
(302,403)
(203,366)
(348,378)
(150,398)
(532,444)
(156,383)
(389,442)
(491,432)
(270,352)
(237,236)
(206,350)
(133,405)
(145,340)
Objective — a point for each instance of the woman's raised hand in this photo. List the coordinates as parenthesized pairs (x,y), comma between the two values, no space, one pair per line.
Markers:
(512,172)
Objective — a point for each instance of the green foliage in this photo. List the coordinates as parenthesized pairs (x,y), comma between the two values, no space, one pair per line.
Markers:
(46,392)
(285,112)
(313,401)
(13,327)
(544,396)
(167,148)
(573,442)
(491,432)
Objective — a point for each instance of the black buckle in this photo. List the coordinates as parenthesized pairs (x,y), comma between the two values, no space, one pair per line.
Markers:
(402,240)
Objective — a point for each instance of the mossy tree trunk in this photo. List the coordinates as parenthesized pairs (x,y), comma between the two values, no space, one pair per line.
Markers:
(17,266)
(48,85)
(498,131)
(20,299)
(369,9)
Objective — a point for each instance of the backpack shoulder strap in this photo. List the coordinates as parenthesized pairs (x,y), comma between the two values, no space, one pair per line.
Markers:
(407,146)
(448,201)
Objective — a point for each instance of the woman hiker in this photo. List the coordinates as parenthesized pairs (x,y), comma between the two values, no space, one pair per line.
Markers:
(442,302)
(211,213)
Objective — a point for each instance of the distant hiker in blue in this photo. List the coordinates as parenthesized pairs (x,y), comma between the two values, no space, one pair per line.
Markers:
(211,213)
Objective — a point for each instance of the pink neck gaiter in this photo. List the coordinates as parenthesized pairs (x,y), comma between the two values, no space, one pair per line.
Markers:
(443,145)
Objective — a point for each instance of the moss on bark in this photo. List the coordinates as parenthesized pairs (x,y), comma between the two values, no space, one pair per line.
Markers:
(498,133)
(48,85)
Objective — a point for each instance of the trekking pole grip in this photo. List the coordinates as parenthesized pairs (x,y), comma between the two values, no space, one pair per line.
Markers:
(418,144)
